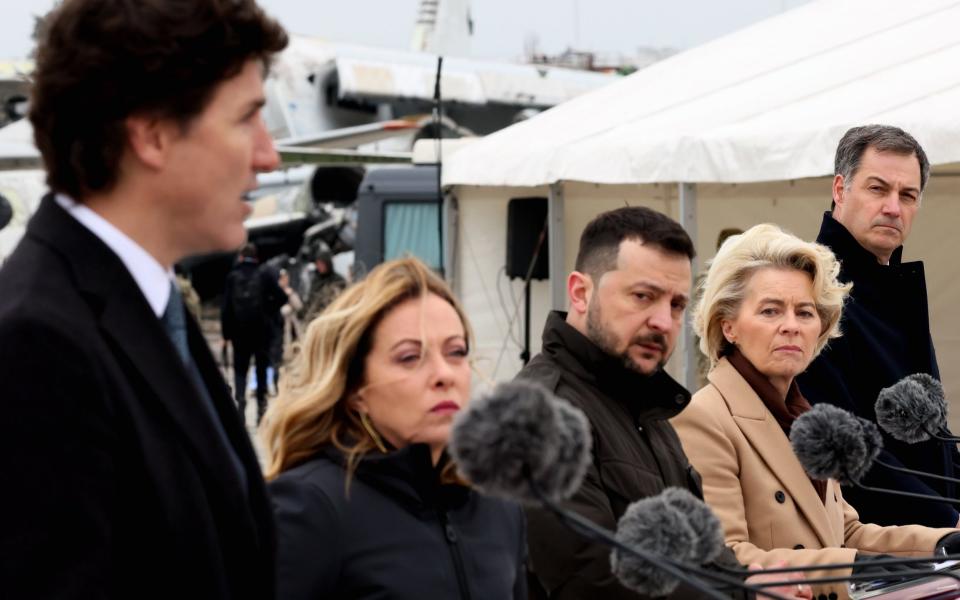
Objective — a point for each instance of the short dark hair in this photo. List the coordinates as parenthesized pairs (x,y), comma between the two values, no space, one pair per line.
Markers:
(600,241)
(101,61)
(882,138)
(248,250)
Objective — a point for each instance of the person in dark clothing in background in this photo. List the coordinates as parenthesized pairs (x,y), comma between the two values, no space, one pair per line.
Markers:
(252,299)
(324,284)
(880,174)
(606,356)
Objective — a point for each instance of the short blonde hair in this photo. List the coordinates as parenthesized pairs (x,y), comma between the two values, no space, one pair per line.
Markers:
(311,410)
(765,246)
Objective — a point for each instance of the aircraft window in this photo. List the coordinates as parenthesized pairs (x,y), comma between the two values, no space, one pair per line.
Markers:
(6,212)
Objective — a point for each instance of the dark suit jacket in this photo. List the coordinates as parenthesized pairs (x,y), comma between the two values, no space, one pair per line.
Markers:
(115,482)
(886,336)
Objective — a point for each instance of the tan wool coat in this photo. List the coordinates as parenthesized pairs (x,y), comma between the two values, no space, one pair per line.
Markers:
(756,486)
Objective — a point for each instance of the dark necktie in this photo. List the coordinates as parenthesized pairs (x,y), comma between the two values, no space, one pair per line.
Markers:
(174,321)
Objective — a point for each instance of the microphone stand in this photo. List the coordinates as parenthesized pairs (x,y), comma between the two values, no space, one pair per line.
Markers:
(943,435)
(869,488)
(689,573)
(679,570)
(897,469)
(852,577)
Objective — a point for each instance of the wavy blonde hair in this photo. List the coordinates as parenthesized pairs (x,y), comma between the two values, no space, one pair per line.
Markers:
(311,410)
(765,246)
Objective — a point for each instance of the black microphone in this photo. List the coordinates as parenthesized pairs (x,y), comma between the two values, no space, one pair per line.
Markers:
(676,523)
(520,434)
(914,410)
(831,443)
(673,523)
(522,443)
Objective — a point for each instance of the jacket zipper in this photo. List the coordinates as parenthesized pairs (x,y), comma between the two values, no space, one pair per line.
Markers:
(452,541)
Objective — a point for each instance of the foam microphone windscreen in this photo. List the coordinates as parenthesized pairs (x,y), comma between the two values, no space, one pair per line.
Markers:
(831,443)
(521,428)
(673,524)
(705,524)
(912,408)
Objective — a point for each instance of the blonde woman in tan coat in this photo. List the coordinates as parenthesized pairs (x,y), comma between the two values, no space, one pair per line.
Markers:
(769,304)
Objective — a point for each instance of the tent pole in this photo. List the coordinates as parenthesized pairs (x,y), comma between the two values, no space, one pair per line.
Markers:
(688,218)
(558,278)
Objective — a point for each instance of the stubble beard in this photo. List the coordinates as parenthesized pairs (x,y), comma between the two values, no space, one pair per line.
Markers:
(604,339)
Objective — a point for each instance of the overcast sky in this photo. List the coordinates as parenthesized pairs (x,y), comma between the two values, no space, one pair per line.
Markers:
(500,26)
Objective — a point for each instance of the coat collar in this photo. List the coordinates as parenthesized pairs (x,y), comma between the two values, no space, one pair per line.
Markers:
(648,397)
(140,343)
(767,438)
(848,249)
(408,475)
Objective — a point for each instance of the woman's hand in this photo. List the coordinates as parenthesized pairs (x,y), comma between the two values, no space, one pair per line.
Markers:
(800,590)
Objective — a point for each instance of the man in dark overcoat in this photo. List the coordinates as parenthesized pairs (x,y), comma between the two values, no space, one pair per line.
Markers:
(880,174)
(124,468)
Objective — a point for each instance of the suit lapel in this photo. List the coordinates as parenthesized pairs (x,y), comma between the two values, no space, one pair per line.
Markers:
(139,337)
(234,428)
(768,440)
(139,341)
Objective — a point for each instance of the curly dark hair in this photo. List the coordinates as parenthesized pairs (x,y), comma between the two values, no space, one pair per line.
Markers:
(101,61)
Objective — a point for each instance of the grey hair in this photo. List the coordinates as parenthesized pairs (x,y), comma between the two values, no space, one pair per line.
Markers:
(882,138)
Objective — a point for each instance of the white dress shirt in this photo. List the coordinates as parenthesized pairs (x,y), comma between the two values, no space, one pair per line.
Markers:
(152,279)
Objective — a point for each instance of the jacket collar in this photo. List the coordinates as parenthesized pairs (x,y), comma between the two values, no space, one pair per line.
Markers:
(408,475)
(852,255)
(648,397)
(126,320)
(767,439)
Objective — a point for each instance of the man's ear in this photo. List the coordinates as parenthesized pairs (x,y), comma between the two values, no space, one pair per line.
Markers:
(838,183)
(149,139)
(579,291)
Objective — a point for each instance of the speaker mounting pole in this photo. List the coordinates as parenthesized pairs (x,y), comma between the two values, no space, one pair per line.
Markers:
(558,278)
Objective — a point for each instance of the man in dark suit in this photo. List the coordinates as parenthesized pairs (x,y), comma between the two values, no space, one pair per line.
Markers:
(880,174)
(125,471)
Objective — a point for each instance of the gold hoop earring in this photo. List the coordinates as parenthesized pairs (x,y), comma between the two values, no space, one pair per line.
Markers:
(368,426)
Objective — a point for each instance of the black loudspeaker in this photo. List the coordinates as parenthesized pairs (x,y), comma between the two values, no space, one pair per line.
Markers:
(526,221)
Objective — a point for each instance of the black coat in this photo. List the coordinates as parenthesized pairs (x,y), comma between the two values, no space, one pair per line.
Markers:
(636,454)
(272,298)
(397,533)
(115,482)
(886,336)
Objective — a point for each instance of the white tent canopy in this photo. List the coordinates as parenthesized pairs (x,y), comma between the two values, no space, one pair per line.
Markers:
(766,103)
(738,131)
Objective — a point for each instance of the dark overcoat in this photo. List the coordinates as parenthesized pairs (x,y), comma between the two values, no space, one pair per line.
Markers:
(116,483)
(886,337)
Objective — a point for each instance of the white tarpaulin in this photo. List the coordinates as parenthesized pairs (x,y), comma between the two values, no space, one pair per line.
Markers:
(766,103)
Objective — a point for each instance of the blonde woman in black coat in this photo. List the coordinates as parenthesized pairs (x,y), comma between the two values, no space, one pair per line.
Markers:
(367,502)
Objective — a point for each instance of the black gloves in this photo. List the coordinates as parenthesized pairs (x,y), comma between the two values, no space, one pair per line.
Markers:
(949,544)
(866,564)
